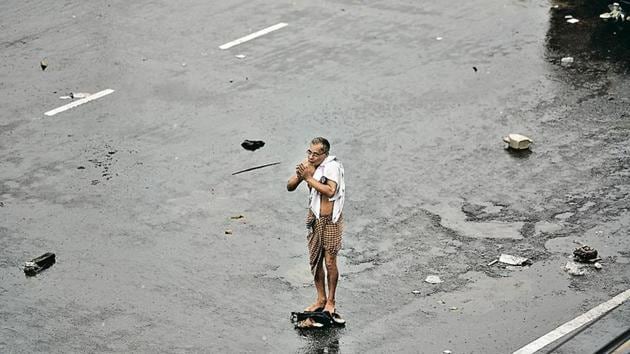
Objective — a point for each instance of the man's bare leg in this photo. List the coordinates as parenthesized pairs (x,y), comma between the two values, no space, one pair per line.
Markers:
(333,276)
(320,286)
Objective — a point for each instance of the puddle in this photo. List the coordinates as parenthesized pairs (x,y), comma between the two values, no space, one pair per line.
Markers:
(546,227)
(298,273)
(608,239)
(453,217)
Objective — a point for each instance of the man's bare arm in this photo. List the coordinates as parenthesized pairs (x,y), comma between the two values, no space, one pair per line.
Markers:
(327,189)
(293,182)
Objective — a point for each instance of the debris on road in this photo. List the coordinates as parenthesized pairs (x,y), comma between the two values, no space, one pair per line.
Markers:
(43,64)
(236,217)
(585,254)
(415,292)
(38,264)
(255,168)
(252,145)
(228,232)
(597,265)
(574,268)
(433,279)
(447,352)
(475,68)
(566,61)
(73,95)
(493,262)
(570,19)
(240,56)
(517,141)
(514,260)
(438,38)
(616,13)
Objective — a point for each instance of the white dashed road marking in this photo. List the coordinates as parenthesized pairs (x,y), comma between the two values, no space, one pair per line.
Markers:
(79,102)
(574,324)
(249,37)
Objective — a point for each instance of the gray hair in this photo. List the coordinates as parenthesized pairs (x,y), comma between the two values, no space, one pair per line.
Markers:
(323,141)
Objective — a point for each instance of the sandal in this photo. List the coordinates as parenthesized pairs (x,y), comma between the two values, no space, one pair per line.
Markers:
(308,323)
(337,319)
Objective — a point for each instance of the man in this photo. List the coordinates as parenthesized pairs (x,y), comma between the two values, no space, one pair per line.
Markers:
(323,175)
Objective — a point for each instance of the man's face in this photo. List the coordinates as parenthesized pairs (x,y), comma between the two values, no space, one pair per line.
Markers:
(316,154)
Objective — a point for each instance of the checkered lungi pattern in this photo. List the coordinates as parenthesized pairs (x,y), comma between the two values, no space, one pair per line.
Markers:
(323,235)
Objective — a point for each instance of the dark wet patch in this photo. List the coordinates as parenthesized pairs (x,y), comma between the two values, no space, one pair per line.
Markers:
(591,38)
(519,154)
(104,162)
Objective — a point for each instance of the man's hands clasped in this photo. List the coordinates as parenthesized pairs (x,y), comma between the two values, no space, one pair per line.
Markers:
(304,170)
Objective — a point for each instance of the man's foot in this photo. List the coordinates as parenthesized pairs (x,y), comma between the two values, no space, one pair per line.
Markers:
(330,307)
(317,306)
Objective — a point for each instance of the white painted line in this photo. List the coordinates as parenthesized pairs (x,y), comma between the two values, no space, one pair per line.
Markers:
(79,102)
(574,324)
(249,37)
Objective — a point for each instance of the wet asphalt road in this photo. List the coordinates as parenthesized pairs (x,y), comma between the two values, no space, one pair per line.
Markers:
(144,264)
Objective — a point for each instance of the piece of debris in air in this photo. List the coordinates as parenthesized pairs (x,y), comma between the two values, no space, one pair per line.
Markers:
(433,279)
(43,64)
(566,61)
(256,167)
(514,260)
(517,141)
(38,264)
(616,13)
(574,268)
(252,145)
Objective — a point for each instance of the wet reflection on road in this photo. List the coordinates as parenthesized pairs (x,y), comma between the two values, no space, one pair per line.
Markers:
(325,340)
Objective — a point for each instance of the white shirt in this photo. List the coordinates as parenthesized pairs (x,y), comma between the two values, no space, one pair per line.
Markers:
(329,169)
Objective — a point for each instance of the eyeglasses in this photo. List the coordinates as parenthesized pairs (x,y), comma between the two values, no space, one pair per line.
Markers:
(315,154)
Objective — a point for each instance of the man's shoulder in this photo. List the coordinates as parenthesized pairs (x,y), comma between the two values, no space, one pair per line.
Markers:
(334,164)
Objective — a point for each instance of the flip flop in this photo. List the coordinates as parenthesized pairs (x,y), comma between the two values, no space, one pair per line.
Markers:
(321,319)
(308,323)
(337,319)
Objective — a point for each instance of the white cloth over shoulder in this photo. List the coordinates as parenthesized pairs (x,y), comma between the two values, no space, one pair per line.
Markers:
(331,169)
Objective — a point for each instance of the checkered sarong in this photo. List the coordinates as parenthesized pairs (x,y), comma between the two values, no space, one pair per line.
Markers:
(323,235)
